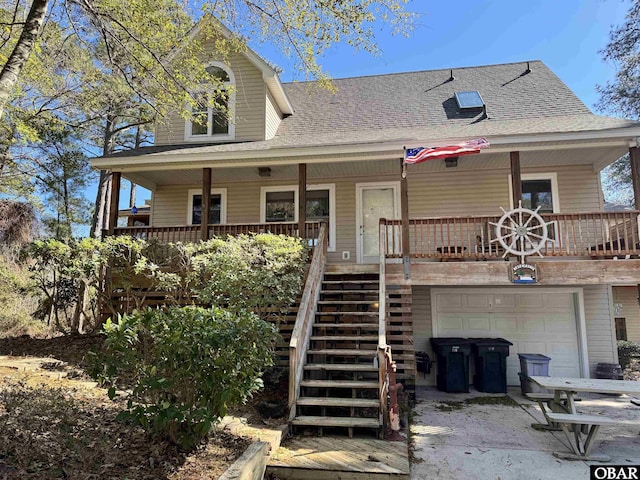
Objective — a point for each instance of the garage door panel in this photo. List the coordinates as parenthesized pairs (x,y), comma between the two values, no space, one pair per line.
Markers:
(555,301)
(531,324)
(481,301)
(504,302)
(534,322)
(509,324)
(481,325)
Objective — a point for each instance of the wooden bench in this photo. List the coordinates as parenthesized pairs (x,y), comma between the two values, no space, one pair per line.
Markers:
(546,397)
(571,424)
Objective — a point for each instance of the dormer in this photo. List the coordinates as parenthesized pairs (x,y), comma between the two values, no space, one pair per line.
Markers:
(247,104)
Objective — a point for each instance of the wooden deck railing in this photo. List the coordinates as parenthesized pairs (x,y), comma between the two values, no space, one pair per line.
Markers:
(191,233)
(382,337)
(306,316)
(595,234)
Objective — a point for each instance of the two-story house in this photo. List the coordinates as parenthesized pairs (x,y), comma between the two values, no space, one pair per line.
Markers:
(291,155)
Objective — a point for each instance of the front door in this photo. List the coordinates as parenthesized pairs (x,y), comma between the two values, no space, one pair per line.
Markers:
(373,202)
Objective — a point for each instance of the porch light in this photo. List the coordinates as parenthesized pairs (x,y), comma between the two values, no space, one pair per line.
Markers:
(451,162)
(264,171)
(134,209)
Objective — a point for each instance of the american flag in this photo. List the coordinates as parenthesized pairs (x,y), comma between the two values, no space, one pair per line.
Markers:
(422,154)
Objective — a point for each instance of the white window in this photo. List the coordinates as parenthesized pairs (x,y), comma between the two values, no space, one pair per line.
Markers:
(217,207)
(538,189)
(212,116)
(280,204)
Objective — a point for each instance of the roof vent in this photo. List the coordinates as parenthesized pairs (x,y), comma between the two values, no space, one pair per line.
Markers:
(469,99)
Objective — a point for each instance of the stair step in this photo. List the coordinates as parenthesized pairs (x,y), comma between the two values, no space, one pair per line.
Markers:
(339,384)
(373,326)
(339,402)
(362,314)
(337,421)
(343,352)
(349,292)
(347,302)
(341,367)
(354,338)
(339,282)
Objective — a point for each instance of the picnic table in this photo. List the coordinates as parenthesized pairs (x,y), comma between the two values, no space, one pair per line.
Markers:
(580,429)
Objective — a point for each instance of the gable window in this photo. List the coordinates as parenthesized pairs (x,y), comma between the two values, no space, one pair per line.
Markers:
(217,207)
(212,116)
(280,204)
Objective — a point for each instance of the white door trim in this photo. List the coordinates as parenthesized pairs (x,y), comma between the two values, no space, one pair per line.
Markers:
(578,298)
(360,187)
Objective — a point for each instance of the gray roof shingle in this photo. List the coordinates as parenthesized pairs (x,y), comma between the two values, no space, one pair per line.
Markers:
(421,106)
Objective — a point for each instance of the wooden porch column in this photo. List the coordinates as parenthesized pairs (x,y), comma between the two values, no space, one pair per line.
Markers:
(634,159)
(404,212)
(302,198)
(115,201)
(516,178)
(206,204)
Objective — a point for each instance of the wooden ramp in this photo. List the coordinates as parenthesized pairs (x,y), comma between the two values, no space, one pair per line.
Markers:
(339,458)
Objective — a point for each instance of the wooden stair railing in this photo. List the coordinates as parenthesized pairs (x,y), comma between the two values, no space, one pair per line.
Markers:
(306,316)
(382,336)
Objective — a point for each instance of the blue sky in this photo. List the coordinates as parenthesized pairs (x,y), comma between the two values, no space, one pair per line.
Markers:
(564,34)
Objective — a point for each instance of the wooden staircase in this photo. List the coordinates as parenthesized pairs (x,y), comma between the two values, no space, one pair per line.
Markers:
(340,385)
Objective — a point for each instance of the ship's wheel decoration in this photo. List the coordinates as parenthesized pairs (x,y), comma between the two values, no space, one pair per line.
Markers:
(521,232)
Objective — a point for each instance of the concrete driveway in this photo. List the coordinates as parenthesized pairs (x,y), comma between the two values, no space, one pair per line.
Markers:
(481,436)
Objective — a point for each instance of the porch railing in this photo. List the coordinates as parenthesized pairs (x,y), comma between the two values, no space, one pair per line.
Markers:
(595,234)
(191,233)
(306,316)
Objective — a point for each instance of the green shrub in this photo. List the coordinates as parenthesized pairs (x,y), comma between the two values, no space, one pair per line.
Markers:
(627,350)
(261,272)
(185,366)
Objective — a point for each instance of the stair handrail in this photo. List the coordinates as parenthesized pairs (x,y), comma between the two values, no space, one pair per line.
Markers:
(382,329)
(305,318)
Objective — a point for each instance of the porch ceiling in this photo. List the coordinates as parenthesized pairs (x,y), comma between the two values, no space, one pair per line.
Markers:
(597,156)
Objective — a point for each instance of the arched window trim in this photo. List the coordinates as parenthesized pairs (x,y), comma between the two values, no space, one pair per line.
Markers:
(231,134)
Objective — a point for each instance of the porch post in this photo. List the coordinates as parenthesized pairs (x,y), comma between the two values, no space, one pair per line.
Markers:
(206,204)
(516,178)
(634,159)
(302,198)
(115,200)
(404,212)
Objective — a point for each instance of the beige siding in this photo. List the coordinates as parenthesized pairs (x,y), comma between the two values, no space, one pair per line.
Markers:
(250,94)
(422,329)
(272,117)
(600,328)
(462,191)
(627,297)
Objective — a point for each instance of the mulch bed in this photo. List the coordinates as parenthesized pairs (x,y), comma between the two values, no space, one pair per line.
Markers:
(54,427)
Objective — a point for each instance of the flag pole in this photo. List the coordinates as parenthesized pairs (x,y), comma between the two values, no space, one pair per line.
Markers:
(404,211)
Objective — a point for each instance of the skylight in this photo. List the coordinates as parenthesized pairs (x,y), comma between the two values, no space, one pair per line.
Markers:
(470,99)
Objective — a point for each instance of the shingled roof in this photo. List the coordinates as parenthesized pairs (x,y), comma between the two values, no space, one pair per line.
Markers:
(522,98)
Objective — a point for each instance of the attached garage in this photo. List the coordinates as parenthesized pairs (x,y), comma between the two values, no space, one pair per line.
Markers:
(535,320)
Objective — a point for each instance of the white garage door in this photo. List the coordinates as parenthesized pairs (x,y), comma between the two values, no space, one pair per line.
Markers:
(534,322)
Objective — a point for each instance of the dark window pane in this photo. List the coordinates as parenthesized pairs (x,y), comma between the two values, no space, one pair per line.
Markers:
(280,206)
(214,209)
(218,73)
(318,205)
(621,328)
(537,193)
(220,117)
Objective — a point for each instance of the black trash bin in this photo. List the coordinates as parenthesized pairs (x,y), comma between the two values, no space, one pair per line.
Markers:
(490,359)
(452,360)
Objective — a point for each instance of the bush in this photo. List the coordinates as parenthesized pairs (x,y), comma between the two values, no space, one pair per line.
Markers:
(185,366)
(261,272)
(627,350)
(18,300)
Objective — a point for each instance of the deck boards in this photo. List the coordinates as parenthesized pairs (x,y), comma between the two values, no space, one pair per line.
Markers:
(322,458)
